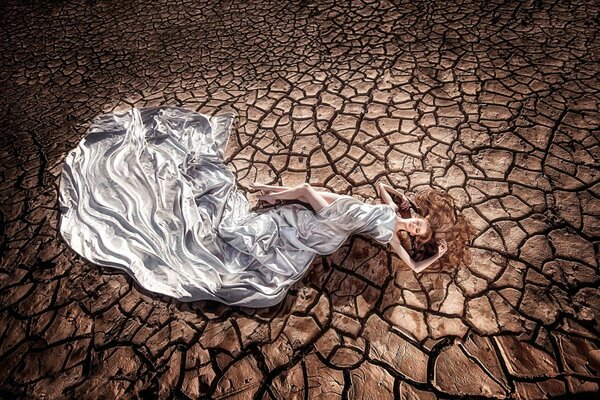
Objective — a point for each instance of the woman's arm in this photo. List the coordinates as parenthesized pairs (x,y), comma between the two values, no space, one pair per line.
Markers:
(384,192)
(417,266)
(385,196)
(390,189)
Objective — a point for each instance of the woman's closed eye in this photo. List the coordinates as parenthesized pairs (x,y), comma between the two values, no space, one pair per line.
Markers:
(422,227)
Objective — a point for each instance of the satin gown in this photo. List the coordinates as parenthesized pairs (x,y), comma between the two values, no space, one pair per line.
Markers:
(147,191)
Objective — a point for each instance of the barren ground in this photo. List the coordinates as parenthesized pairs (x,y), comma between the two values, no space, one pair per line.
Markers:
(495,102)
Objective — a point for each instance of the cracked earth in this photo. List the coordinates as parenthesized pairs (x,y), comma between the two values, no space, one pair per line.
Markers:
(497,103)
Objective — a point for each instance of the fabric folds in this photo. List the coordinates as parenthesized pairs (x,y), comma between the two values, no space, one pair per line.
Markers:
(147,191)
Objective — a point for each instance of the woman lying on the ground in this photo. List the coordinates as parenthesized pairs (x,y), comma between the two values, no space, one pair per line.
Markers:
(421,235)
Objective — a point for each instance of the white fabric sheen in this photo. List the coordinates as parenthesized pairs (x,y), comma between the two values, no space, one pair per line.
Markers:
(146,191)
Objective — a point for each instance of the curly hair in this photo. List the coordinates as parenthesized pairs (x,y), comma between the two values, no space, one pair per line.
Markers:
(445,222)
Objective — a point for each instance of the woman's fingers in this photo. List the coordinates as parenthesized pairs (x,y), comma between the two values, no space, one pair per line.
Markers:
(443,245)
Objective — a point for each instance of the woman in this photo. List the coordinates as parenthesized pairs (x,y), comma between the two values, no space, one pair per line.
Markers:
(415,226)
(147,191)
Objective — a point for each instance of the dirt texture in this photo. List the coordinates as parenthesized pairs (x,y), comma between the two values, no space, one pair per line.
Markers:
(497,102)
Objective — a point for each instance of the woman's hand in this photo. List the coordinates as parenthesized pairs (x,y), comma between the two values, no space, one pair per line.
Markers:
(405,204)
(442,247)
(383,189)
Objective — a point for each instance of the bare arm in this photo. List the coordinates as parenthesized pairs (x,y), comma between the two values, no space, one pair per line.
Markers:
(382,190)
(384,187)
(417,266)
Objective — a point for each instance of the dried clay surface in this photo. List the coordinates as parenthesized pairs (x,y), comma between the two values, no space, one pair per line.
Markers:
(496,102)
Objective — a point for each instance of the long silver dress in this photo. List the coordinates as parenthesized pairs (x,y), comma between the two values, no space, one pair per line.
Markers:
(147,191)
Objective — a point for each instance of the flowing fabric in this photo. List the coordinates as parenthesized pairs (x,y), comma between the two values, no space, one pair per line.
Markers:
(147,191)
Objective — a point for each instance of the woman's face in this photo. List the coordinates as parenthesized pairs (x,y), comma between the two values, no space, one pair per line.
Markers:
(417,226)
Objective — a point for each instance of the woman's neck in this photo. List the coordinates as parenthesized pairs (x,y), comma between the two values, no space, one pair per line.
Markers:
(400,224)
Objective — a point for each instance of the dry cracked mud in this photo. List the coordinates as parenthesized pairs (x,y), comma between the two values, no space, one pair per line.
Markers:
(497,102)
